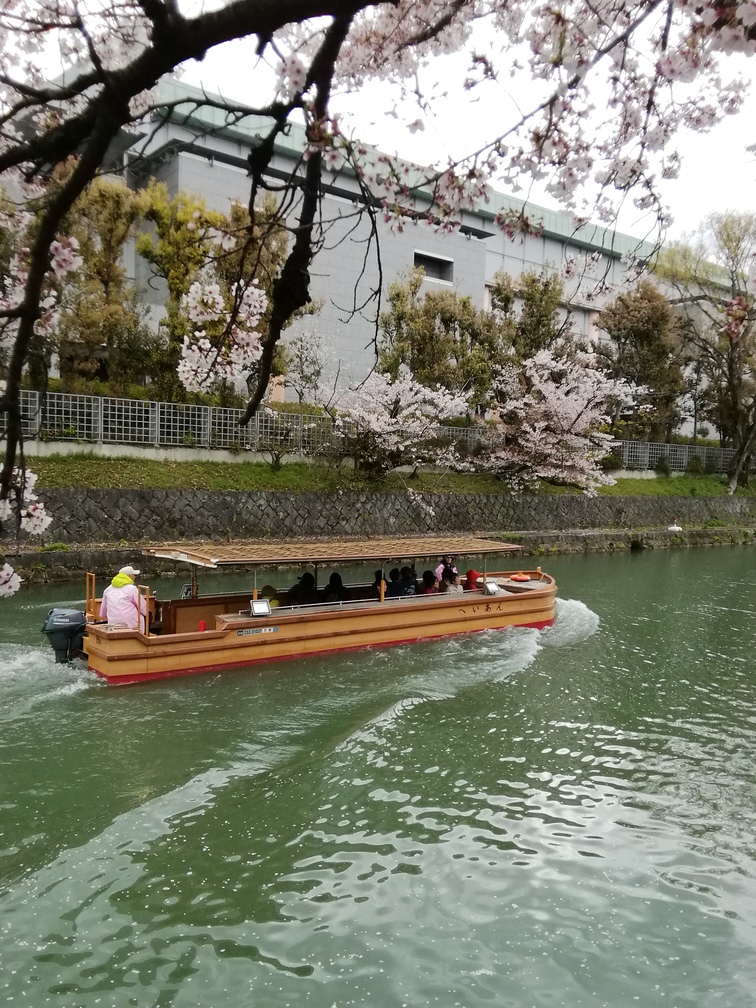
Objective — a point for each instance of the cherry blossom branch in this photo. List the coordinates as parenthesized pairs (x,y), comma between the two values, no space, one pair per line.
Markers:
(291,290)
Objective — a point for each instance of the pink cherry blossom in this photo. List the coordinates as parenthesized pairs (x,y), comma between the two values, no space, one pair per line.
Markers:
(10,582)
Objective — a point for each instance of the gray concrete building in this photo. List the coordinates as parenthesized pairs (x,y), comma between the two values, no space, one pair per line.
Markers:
(196,148)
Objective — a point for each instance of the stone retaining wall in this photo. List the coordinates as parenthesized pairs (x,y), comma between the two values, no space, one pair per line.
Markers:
(559,523)
(131,516)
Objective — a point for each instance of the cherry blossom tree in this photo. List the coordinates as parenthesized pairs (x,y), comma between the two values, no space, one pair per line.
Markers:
(387,423)
(655,65)
(554,408)
(23,509)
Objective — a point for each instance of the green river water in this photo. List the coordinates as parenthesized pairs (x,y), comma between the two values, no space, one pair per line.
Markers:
(557,818)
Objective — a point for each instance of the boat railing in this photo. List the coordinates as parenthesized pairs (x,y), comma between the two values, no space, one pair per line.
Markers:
(92,605)
(182,615)
(146,607)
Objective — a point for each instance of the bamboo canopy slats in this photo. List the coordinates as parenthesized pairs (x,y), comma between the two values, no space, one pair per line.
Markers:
(327,550)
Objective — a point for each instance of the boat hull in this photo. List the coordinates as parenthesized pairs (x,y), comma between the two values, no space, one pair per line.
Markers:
(238,640)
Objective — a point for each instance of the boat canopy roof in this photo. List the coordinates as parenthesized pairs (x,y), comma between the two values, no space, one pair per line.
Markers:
(326,551)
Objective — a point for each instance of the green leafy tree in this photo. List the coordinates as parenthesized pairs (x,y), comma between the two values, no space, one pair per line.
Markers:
(710,278)
(252,249)
(182,238)
(441,337)
(7,248)
(644,348)
(444,340)
(527,311)
(102,329)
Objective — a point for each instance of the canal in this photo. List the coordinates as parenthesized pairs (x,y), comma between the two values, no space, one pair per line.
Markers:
(559,818)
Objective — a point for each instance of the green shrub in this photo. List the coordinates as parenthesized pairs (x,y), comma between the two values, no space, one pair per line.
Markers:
(662,466)
(613,461)
(303,409)
(702,439)
(695,466)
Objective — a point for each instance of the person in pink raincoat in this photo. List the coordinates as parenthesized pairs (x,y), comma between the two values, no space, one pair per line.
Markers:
(121,605)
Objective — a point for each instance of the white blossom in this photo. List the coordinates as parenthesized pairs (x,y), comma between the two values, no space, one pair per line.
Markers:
(22,506)
(553,412)
(10,582)
(226,343)
(390,423)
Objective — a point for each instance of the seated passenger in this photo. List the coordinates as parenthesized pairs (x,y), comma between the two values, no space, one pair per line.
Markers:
(393,589)
(375,587)
(471,579)
(334,591)
(446,561)
(429,584)
(450,582)
(304,591)
(269,592)
(407,583)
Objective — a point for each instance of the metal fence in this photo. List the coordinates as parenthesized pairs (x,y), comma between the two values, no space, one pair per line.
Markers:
(60,416)
(646,455)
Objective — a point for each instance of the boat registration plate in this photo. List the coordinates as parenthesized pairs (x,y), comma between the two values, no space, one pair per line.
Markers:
(256,630)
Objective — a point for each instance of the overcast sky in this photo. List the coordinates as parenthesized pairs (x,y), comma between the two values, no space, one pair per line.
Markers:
(717,174)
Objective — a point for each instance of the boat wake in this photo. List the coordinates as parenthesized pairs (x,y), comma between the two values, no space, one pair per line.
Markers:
(574,623)
(458,663)
(29,676)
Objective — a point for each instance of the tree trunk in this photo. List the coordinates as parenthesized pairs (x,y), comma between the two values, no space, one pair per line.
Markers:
(738,471)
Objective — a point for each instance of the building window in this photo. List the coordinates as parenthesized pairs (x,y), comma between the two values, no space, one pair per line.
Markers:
(434,267)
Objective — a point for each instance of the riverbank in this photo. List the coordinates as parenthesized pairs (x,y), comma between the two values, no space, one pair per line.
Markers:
(63,563)
(130,516)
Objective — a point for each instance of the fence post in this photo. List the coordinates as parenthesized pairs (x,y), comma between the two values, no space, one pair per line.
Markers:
(100,414)
(207,425)
(155,422)
(37,415)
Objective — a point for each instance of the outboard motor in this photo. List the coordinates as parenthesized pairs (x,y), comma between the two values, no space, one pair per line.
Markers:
(65,629)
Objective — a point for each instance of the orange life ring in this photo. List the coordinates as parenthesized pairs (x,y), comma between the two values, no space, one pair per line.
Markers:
(519,576)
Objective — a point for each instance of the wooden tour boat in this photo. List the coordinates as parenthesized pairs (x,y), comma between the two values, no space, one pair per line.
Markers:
(204,633)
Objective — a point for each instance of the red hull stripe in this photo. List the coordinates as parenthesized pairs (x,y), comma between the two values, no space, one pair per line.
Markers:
(174,673)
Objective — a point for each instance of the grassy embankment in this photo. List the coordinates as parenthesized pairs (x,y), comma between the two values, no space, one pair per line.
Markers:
(91,472)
